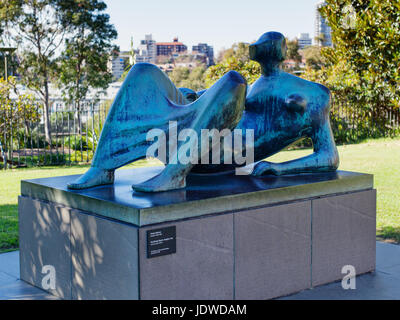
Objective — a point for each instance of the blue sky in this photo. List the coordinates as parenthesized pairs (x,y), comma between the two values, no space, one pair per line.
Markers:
(220,23)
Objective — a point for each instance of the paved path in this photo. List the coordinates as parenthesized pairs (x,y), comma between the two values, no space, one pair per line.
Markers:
(384,283)
(10,285)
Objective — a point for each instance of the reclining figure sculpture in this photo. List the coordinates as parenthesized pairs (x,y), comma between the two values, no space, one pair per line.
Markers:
(281,109)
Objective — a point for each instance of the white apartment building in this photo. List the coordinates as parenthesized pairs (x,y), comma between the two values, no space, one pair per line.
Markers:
(117,66)
(322,29)
(304,40)
(147,51)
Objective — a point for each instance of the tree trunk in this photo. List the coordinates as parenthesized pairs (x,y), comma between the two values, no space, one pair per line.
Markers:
(77,96)
(46,112)
(78,114)
(46,115)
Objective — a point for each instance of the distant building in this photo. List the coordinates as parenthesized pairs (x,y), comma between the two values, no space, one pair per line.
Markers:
(206,50)
(147,50)
(117,66)
(322,29)
(170,48)
(304,40)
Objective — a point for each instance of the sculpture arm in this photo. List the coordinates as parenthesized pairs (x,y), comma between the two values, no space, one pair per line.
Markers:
(324,158)
(191,95)
(201,92)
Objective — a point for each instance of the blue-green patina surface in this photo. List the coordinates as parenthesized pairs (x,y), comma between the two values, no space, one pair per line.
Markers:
(279,107)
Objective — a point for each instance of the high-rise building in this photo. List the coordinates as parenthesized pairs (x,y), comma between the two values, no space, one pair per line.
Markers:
(147,50)
(304,40)
(322,29)
(170,48)
(206,50)
(117,66)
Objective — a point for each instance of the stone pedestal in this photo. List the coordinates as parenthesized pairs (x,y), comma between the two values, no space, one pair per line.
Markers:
(223,237)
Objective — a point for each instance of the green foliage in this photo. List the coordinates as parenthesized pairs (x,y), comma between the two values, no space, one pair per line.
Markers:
(239,51)
(8,227)
(124,75)
(93,137)
(362,70)
(371,47)
(42,29)
(314,58)
(9,9)
(61,117)
(35,27)
(34,140)
(293,50)
(12,62)
(83,63)
(83,157)
(105,108)
(76,143)
(15,113)
(81,142)
(186,78)
(294,55)
(250,70)
(237,59)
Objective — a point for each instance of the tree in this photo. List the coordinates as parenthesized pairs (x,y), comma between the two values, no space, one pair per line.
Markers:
(320,40)
(293,55)
(186,78)
(35,26)
(83,63)
(293,50)
(362,69)
(16,113)
(9,9)
(129,63)
(236,58)
(250,70)
(239,51)
(314,58)
(371,46)
(132,56)
(12,63)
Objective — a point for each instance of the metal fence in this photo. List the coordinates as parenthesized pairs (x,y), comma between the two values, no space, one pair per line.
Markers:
(74,134)
(352,124)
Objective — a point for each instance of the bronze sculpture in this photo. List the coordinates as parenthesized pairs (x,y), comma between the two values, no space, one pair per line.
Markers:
(281,109)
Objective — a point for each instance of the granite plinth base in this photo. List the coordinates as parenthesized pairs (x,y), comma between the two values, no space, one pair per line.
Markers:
(223,237)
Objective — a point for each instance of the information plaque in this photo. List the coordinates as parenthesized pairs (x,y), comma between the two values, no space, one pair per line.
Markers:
(161,242)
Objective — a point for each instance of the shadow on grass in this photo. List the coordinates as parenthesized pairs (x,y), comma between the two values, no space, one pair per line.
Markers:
(389,234)
(8,227)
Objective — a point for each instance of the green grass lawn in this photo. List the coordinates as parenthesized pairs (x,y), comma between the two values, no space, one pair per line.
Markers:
(380,157)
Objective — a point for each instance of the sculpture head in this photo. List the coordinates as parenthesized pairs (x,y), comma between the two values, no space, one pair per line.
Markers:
(269,49)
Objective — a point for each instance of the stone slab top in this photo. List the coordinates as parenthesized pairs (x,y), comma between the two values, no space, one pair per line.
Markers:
(203,195)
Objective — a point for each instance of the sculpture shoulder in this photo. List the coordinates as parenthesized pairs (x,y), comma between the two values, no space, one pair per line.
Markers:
(305,84)
(315,97)
(315,94)
(296,94)
(286,82)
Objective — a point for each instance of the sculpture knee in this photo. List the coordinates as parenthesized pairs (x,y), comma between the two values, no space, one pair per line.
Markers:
(334,161)
(143,68)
